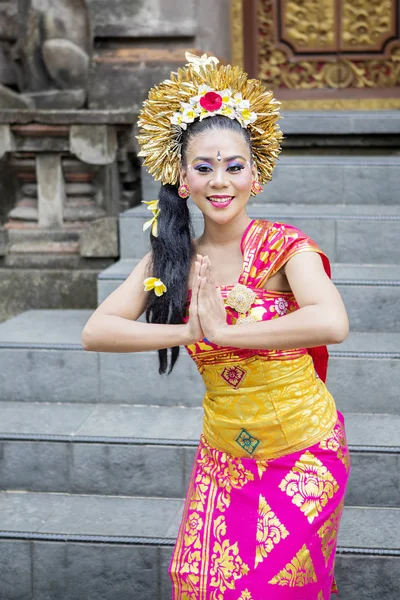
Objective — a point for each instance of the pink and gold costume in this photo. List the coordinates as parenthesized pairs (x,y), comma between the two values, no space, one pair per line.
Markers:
(266,494)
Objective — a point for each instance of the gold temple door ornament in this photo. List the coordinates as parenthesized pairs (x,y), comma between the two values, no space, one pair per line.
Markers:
(325,54)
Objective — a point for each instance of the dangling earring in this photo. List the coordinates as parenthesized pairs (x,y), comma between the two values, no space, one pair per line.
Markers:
(184,191)
(256,187)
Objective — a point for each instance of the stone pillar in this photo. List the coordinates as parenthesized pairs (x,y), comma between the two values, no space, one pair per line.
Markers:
(51,190)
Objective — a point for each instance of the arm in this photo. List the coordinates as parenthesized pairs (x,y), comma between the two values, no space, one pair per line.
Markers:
(320,320)
(113,327)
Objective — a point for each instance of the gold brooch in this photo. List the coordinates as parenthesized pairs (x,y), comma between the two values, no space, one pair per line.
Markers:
(240,298)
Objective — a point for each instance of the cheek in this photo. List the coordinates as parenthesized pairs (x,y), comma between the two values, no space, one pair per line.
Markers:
(243,181)
(196,182)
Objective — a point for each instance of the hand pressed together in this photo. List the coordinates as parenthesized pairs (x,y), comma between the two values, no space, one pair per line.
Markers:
(207,316)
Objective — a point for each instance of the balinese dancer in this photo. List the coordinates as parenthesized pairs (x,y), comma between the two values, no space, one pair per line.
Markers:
(253,302)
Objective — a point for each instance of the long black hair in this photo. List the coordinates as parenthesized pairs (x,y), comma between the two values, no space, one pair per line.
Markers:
(172,250)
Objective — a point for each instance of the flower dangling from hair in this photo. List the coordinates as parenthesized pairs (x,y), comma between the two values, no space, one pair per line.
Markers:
(153,283)
(153,223)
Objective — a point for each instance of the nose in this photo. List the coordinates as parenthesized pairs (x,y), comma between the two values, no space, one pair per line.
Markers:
(219,180)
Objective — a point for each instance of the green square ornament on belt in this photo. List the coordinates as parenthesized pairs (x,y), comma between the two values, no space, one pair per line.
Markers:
(247,441)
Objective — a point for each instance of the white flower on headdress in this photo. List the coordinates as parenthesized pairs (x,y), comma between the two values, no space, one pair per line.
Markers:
(228,111)
(226,96)
(247,117)
(189,112)
(200,61)
(178,119)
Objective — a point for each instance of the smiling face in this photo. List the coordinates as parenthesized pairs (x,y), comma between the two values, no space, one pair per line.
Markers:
(219,173)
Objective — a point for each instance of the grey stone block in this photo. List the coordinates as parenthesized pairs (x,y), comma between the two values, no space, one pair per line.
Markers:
(340,122)
(134,243)
(34,466)
(149,422)
(25,511)
(127,470)
(366,341)
(365,384)
(374,480)
(42,417)
(367,577)
(45,375)
(94,571)
(357,241)
(94,144)
(166,584)
(42,326)
(371,528)
(359,301)
(88,515)
(333,180)
(139,18)
(100,238)
(24,289)
(16,571)
(124,85)
(183,388)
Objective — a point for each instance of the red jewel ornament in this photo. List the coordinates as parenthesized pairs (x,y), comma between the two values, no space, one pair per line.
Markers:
(211,101)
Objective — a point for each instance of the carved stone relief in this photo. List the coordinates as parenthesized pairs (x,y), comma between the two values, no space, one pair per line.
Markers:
(51,55)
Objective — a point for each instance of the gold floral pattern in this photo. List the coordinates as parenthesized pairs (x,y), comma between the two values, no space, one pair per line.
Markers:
(261,467)
(298,573)
(270,531)
(310,485)
(320,596)
(226,470)
(193,527)
(329,532)
(245,595)
(226,564)
(337,442)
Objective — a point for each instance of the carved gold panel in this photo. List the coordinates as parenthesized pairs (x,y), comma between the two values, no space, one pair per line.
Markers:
(309,25)
(303,44)
(367,24)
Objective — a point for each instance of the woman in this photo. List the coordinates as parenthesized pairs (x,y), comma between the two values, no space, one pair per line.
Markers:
(253,302)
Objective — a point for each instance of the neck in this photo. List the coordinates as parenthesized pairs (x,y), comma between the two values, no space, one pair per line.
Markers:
(216,234)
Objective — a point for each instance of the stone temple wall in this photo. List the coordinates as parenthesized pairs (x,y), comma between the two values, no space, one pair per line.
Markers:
(73,75)
(138,43)
(135,42)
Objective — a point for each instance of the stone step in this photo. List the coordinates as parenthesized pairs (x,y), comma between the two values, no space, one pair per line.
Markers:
(71,546)
(324,179)
(361,286)
(340,122)
(139,450)
(354,233)
(41,354)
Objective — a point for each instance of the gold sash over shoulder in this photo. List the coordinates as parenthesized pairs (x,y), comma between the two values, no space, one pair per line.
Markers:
(265,408)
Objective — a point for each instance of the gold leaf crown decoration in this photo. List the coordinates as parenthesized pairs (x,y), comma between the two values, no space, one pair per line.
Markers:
(177,101)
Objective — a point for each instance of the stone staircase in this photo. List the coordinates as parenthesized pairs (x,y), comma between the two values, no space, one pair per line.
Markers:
(96,449)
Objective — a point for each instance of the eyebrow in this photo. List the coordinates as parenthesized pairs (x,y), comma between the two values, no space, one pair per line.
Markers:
(208,159)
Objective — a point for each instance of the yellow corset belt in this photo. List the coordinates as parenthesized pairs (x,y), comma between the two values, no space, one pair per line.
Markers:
(265,408)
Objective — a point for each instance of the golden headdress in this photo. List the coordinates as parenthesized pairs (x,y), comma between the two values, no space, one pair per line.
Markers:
(204,88)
